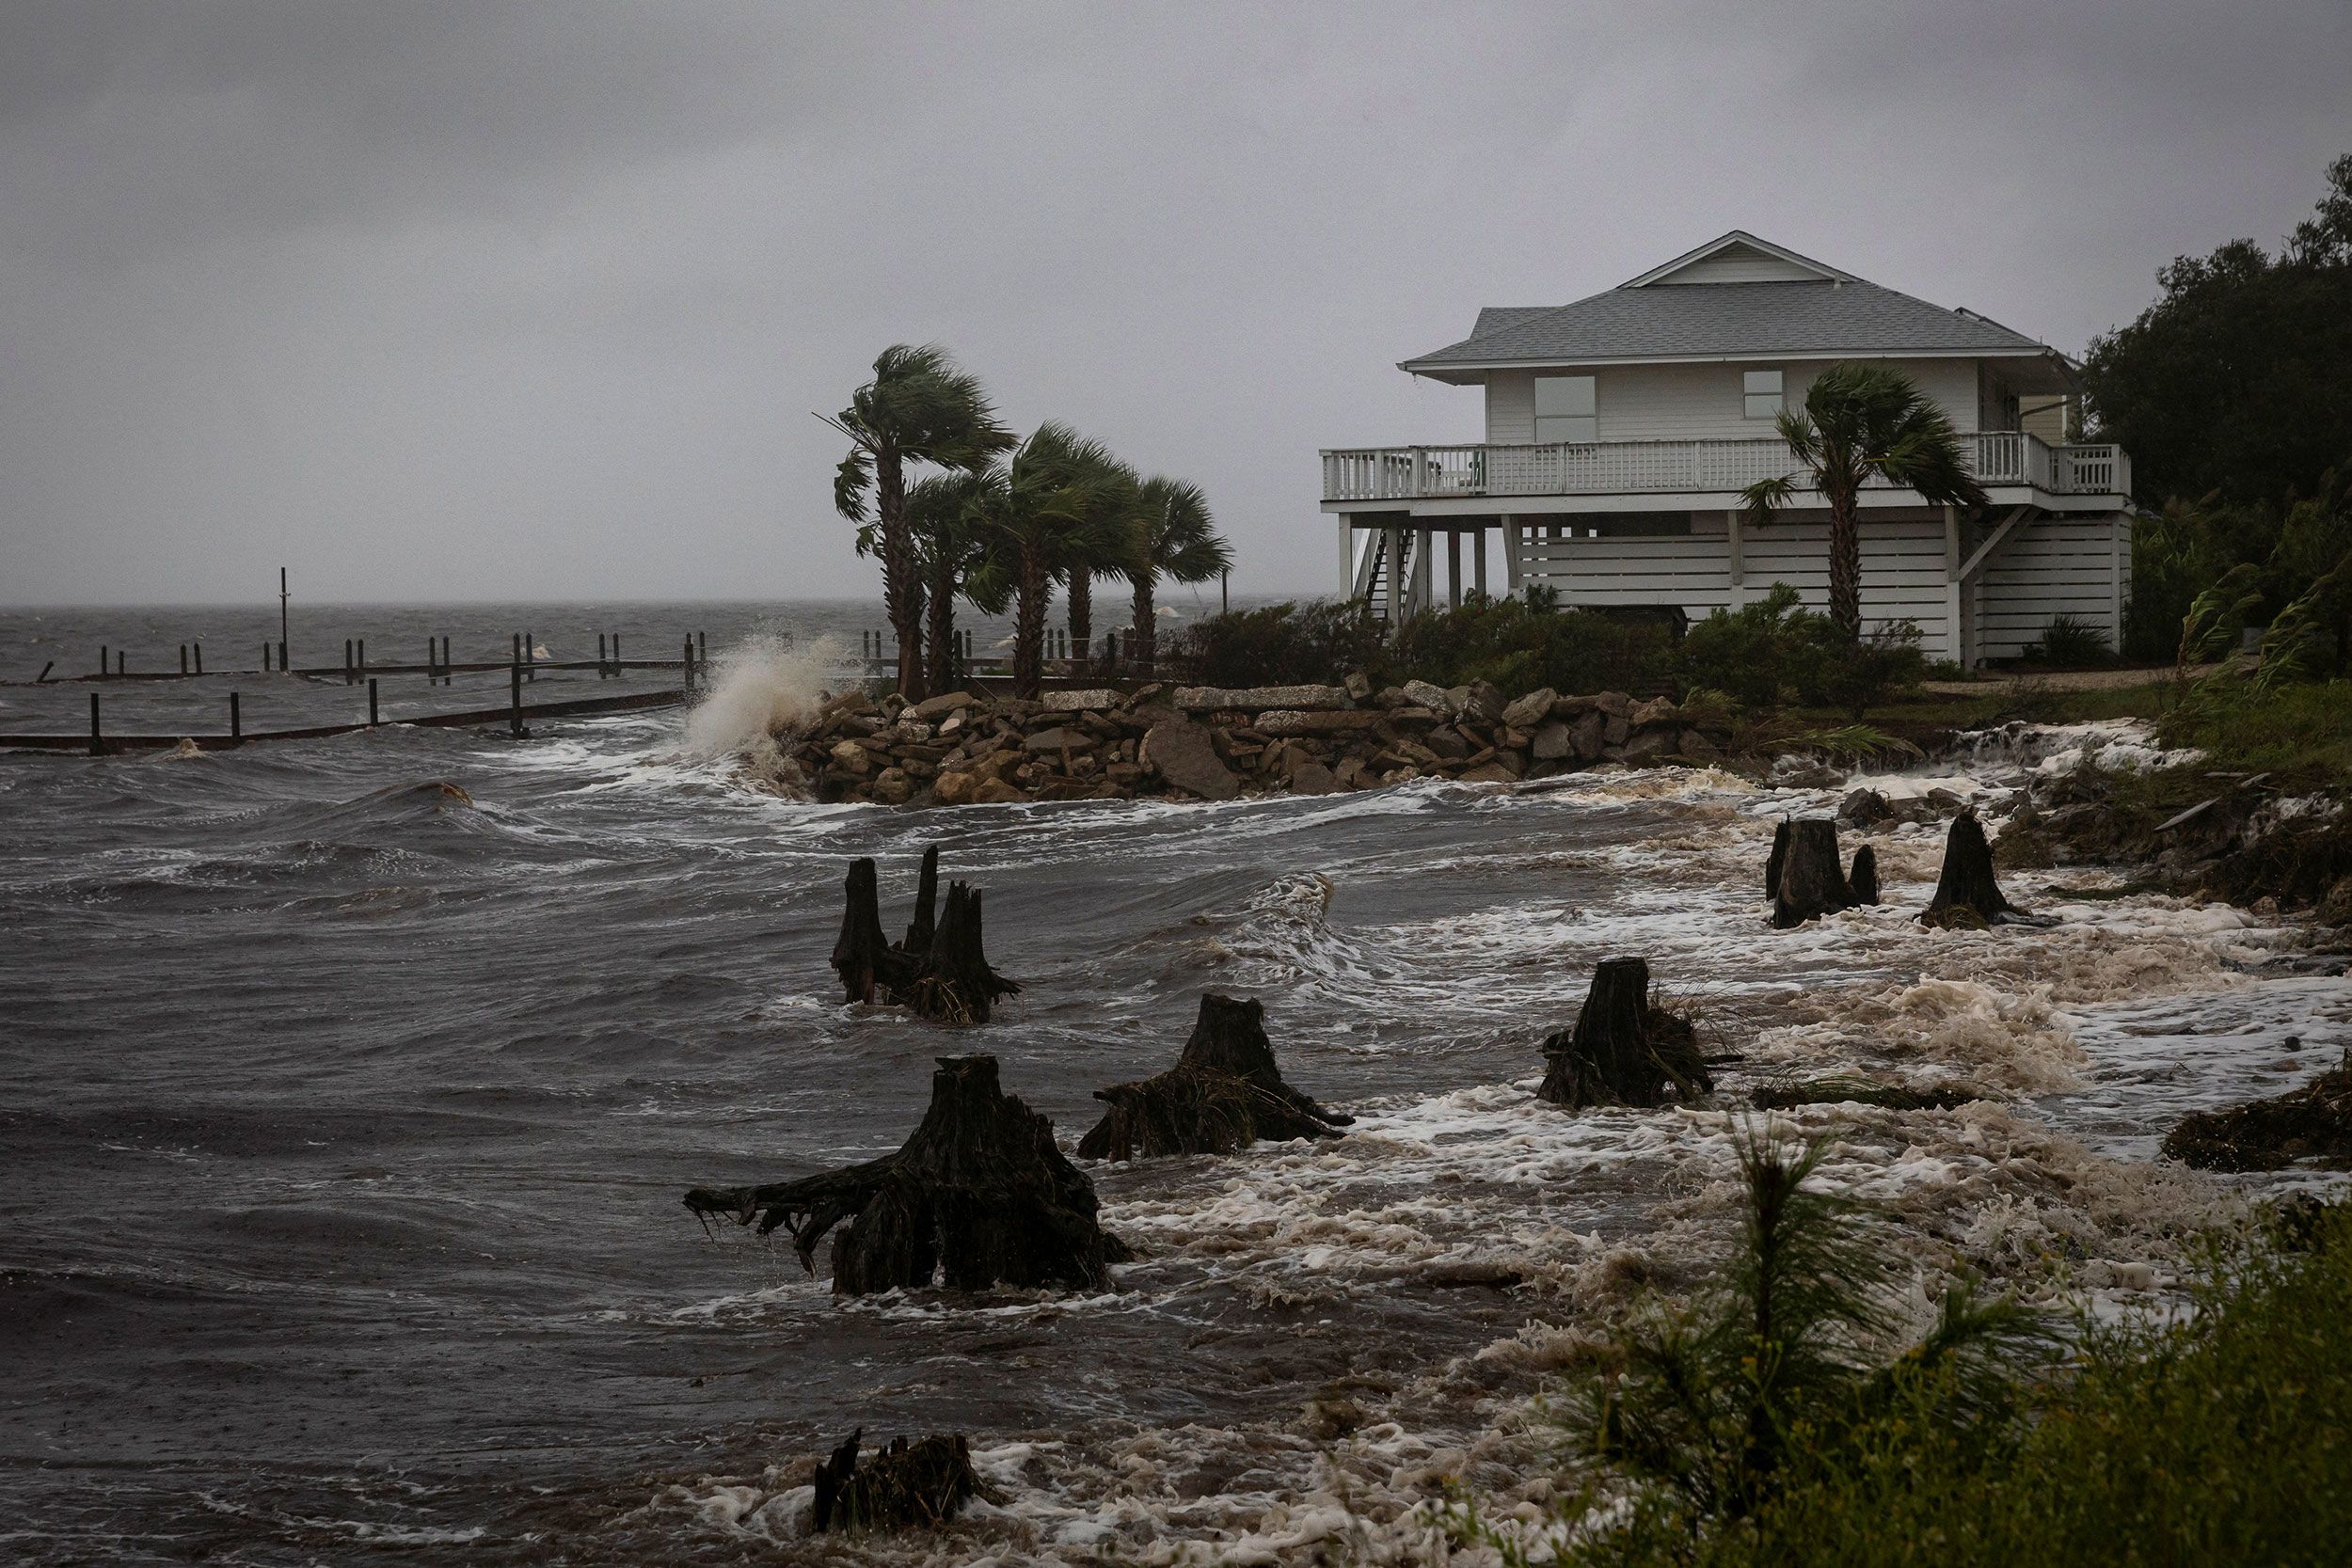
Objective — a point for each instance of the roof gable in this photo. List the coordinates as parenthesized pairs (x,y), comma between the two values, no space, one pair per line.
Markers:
(1739,257)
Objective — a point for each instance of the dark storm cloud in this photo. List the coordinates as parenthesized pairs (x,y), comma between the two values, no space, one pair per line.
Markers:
(461,299)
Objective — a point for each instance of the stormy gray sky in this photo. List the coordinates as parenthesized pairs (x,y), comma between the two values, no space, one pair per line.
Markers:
(440,300)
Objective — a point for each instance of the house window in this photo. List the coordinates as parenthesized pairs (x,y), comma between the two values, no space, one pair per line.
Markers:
(1565,409)
(1760,391)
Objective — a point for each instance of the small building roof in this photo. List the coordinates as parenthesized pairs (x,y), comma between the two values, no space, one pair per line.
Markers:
(1796,308)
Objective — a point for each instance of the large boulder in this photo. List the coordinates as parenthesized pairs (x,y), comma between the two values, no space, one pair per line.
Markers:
(1589,735)
(1059,738)
(852,758)
(1424,694)
(1283,721)
(1552,742)
(956,788)
(1258,699)
(1101,700)
(1314,778)
(1527,713)
(1185,754)
(1478,700)
(932,710)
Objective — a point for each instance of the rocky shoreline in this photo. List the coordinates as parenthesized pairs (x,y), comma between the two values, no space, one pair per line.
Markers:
(1211,743)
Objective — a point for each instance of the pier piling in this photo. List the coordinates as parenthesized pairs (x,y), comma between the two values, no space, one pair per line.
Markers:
(96,746)
(236,721)
(371,719)
(183,658)
(199,658)
(514,699)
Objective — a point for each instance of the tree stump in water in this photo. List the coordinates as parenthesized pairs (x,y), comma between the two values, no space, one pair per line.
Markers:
(1625,1049)
(1966,897)
(1778,859)
(941,970)
(916,1485)
(1224,1092)
(978,1196)
(1811,880)
(1863,881)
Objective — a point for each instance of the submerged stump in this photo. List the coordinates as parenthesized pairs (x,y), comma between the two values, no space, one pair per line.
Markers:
(941,968)
(1966,897)
(1812,878)
(1862,880)
(918,1485)
(1224,1092)
(977,1196)
(1625,1049)
(2314,1122)
(1779,858)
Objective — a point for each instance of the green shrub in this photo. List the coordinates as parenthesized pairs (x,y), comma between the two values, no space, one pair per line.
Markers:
(1530,641)
(1776,651)
(1319,642)
(2068,642)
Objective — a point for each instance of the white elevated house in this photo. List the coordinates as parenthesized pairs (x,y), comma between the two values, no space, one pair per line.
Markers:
(1621,429)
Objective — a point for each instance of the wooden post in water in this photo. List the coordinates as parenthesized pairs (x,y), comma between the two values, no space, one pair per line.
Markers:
(701,651)
(689,662)
(183,658)
(282,665)
(265,667)
(363,656)
(199,658)
(602,669)
(236,722)
(122,661)
(446,678)
(102,658)
(515,697)
(347,661)
(281,619)
(371,721)
(97,747)
(530,654)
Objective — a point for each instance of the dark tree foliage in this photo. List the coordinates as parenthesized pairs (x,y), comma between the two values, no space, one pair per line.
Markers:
(2238,379)
(1775,650)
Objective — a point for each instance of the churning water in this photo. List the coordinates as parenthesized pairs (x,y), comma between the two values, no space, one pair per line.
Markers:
(350,1088)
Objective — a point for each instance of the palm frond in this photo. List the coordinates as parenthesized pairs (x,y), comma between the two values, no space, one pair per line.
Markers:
(1767,496)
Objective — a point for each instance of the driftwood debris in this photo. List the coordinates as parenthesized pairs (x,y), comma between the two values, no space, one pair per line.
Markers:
(2314,1122)
(1966,897)
(1625,1049)
(1786,1093)
(1224,1092)
(1811,880)
(940,969)
(977,1196)
(1863,881)
(918,1485)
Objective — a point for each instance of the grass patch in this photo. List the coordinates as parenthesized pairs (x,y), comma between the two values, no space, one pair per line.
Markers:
(2302,733)
(1751,1430)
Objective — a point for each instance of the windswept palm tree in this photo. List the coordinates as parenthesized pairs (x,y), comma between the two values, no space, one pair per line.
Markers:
(949,515)
(920,408)
(1172,537)
(1056,510)
(1861,421)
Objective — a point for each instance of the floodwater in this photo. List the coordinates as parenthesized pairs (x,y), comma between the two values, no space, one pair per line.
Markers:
(348,1090)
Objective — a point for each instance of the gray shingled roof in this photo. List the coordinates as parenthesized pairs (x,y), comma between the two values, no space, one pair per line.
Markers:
(1667,320)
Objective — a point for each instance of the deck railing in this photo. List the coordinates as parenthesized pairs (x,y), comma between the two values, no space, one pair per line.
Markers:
(1998,457)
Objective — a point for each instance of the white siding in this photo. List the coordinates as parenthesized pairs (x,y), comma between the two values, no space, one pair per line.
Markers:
(2045,568)
(1740,263)
(1682,403)
(1510,406)
(1902,568)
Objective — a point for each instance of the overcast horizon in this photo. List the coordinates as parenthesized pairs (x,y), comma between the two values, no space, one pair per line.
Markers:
(439,302)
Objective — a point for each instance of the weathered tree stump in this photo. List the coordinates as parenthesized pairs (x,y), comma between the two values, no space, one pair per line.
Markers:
(1224,1092)
(952,981)
(1778,859)
(977,1196)
(1624,1049)
(861,955)
(1811,880)
(941,970)
(918,1485)
(1966,897)
(1863,881)
(920,929)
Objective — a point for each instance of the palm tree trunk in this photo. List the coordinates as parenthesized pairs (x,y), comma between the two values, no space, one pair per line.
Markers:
(1028,626)
(1143,643)
(902,583)
(939,661)
(1081,612)
(1845,563)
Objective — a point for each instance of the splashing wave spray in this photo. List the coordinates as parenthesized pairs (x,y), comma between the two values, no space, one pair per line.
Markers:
(761,689)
